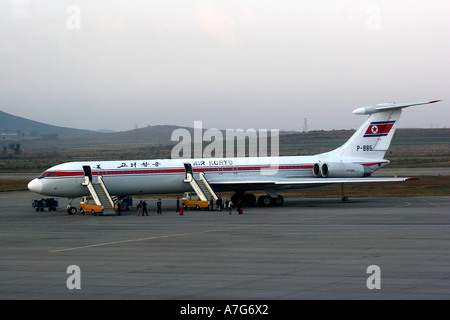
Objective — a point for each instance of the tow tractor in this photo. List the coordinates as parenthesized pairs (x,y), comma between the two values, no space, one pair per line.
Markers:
(43,203)
(191,200)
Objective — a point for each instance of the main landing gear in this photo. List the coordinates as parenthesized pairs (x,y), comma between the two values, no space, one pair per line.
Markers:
(267,201)
(249,199)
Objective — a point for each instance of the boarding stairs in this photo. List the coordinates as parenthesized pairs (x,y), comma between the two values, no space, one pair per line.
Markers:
(100,194)
(201,186)
(206,187)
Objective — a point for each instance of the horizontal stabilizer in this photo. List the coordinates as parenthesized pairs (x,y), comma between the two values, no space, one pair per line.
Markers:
(388,107)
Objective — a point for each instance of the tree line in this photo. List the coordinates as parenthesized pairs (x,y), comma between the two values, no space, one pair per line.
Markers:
(12,149)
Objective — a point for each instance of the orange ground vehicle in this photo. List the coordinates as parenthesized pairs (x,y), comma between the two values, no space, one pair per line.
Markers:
(191,200)
(87,205)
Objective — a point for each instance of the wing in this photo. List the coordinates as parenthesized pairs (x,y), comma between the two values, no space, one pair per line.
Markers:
(297,182)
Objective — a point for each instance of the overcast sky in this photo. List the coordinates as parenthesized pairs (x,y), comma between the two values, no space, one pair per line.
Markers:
(100,64)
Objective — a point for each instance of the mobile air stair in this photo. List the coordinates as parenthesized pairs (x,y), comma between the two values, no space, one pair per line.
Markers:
(99,192)
(201,186)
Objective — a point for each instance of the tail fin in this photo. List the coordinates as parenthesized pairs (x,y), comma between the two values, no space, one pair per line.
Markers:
(373,138)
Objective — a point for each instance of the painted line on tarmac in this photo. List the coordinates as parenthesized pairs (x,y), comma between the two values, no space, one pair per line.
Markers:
(124,241)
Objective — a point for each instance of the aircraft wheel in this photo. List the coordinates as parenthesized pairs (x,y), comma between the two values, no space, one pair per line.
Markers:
(72,210)
(278,201)
(249,199)
(264,201)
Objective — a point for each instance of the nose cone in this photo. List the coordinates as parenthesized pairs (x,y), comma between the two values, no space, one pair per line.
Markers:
(35,185)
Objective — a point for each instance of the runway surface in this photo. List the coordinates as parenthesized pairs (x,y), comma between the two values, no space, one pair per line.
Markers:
(307,249)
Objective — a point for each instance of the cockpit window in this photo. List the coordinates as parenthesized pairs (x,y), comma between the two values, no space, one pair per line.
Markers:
(46,174)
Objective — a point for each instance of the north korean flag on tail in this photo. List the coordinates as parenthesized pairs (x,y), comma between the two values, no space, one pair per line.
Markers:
(379,129)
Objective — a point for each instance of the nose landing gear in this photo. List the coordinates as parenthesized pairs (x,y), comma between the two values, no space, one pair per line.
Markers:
(70,208)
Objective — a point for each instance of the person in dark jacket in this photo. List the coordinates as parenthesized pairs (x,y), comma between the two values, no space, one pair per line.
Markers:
(144,208)
(158,206)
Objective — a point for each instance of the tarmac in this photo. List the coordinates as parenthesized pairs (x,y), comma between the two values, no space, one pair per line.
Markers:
(306,249)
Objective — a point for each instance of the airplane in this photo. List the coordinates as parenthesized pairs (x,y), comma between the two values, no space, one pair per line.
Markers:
(353,162)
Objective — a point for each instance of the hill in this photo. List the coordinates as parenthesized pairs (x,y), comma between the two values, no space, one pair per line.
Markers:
(36,134)
(11,125)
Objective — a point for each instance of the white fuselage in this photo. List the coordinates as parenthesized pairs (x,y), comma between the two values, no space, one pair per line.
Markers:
(134,177)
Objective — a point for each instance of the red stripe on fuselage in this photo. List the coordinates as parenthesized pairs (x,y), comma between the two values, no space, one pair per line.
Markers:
(63,174)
